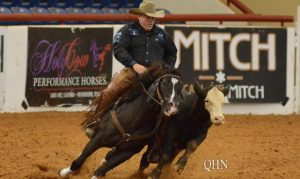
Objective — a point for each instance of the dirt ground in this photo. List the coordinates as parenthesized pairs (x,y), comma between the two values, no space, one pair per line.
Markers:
(36,145)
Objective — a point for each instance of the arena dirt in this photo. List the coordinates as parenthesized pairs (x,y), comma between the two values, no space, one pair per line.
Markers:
(37,145)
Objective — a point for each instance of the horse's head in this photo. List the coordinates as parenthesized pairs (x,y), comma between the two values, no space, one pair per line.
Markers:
(213,99)
(166,90)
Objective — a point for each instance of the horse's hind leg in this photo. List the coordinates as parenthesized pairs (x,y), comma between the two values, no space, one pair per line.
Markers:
(89,149)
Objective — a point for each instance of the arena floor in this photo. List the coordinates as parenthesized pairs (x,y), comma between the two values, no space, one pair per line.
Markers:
(36,145)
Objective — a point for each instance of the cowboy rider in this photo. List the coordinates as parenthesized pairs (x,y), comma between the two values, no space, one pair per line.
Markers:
(137,45)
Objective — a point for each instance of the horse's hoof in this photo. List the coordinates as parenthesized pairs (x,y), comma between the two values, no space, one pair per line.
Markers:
(177,169)
(155,158)
(65,172)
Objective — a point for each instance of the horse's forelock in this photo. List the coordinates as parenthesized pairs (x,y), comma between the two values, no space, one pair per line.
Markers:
(172,71)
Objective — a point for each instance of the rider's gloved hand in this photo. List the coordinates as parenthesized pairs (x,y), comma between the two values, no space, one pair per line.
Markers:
(147,79)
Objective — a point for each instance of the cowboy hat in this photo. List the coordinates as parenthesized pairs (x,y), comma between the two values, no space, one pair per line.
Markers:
(148,9)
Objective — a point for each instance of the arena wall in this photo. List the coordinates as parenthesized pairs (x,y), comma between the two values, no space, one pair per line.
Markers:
(14,74)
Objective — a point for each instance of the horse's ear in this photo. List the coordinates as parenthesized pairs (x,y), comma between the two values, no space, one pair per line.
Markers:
(200,91)
(179,68)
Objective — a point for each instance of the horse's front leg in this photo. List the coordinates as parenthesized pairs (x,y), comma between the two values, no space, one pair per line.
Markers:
(89,149)
(144,163)
(190,148)
(114,159)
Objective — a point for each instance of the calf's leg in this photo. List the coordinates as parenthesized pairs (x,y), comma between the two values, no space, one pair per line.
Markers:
(167,151)
(190,148)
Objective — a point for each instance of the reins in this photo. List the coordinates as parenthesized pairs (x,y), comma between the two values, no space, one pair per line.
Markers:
(149,95)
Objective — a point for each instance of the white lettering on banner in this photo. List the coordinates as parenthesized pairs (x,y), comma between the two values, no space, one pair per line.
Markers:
(201,55)
(85,94)
(93,81)
(73,94)
(247,92)
(269,47)
(236,62)
(220,39)
(187,42)
(45,82)
(69,81)
(205,52)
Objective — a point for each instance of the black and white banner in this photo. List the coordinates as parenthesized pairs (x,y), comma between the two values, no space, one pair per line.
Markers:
(67,65)
(252,60)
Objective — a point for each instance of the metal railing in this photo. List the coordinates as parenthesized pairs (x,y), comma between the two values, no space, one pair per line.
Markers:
(128,17)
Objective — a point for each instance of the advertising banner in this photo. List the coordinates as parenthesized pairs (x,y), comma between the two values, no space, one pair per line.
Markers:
(67,65)
(252,60)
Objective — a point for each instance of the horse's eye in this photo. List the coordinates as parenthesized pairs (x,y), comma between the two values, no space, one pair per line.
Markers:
(165,81)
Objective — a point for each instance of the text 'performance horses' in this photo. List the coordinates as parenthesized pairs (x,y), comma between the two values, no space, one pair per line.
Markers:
(129,125)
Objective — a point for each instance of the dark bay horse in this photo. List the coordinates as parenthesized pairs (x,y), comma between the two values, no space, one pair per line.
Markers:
(128,126)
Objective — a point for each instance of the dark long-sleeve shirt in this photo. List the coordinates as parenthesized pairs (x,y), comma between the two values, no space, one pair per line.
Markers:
(133,45)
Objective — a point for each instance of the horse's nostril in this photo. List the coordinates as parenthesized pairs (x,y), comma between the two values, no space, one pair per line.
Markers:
(172,104)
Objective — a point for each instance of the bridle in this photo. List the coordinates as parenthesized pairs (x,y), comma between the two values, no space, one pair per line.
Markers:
(160,100)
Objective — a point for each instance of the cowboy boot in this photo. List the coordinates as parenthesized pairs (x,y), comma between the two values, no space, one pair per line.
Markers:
(121,82)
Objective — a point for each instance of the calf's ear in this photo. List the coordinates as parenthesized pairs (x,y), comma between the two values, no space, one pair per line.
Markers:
(200,92)
(225,90)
